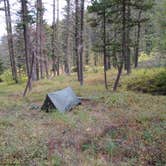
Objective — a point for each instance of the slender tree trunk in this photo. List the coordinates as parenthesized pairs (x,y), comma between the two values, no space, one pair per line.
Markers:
(30,76)
(46,64)
(77,39)
(108,62)
(10,40)
(128,63)
(40,8)
(114,52)
(26,38)
(95,59)
(57,37)
(53,41)
(81,42)
(104,49)
(87,44)
(138,39)
(37,57)
(39,41)
(67,51)
(87,54)
(120,68)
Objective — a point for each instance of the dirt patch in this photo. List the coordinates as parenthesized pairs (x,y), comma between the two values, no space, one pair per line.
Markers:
(93,105)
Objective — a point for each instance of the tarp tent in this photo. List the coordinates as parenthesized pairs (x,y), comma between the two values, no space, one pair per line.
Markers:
(63,100)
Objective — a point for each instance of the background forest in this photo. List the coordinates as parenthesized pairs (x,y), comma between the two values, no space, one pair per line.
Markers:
(113,34)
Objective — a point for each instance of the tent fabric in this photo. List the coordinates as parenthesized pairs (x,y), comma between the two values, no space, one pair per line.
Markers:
(63,100)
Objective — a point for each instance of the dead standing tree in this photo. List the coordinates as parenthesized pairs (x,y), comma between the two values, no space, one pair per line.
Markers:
(10,40)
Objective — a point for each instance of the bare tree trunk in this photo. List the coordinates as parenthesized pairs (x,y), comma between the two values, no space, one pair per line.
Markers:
(46,64)
(53,41)
(29,77)
(57,39)
(108,62)
(81,42)
(120,68)
(138,39)
(10,40)
(104,49)
(67,51)
(37,43)
(39,35)
(41,40)
(77,38)
(118,77)
(128,63)
(26,38)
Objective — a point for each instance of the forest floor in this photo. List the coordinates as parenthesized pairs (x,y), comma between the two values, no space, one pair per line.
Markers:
(122,128)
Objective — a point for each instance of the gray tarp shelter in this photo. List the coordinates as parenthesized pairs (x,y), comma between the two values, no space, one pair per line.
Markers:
(63,100)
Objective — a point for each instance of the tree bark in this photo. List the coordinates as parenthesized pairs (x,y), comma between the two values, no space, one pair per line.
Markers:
(67,51)
(37,57)
(118,77)
(26,38)
(53,41)
(138,39)
(29,77)
(104,49)
(40,8)
(77,39)
(81,42)
(120,68)
(57,37)
(128,63)
(10,40)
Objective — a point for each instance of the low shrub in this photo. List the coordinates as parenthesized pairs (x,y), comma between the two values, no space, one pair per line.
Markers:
(144,57)
(148,81)
(7,77)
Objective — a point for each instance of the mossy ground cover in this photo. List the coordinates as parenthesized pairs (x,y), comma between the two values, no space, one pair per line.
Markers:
(122,128)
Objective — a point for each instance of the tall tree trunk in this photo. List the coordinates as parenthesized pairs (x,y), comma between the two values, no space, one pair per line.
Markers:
(26,38)
(120,68)
(57,38)
(104,49)
(53,40)
(39,41)
(10,40)
(67,51)
(81,42)
(37,57)
(40,8)
(128,63)
(77,38)
(138,39)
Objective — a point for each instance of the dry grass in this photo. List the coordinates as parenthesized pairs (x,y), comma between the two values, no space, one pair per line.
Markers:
(122,128)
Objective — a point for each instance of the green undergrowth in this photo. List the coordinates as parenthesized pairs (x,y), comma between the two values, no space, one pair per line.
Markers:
(147,80)
(111,128)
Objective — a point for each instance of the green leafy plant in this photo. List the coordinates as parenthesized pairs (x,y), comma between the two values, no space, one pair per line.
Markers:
(7,77)
(148,81)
